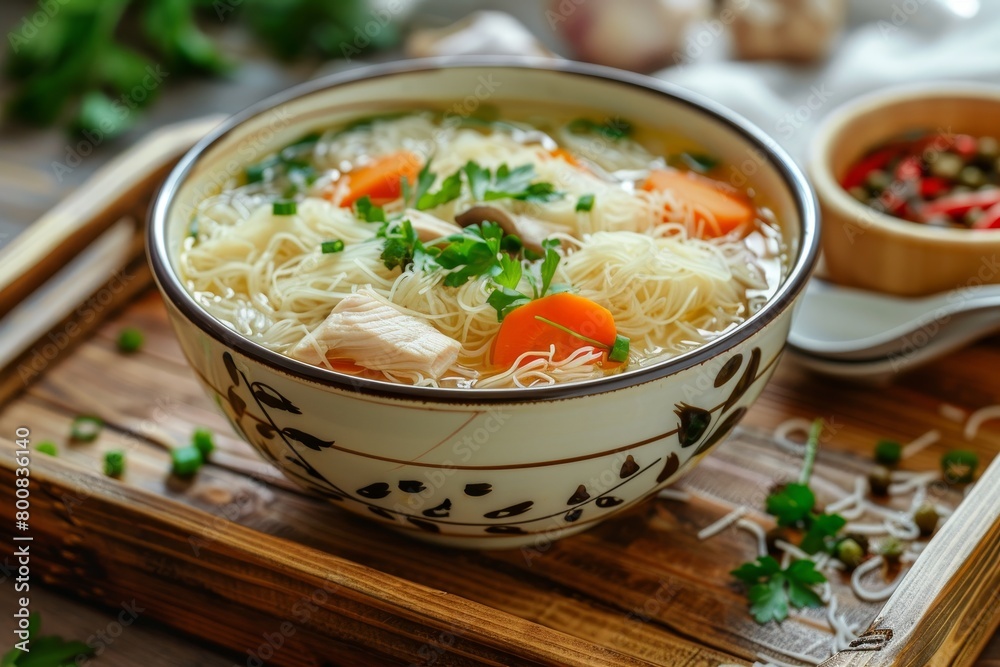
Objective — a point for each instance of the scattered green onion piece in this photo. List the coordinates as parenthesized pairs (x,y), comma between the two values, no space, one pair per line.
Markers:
(186,460)
(959,466)
(114,463)
(193,229)
(130,340)
(255,173)
(888,452)
(85,428)
(619,351)
(329,247)
(47,447)
(204,441)
(285,208)
(585,202)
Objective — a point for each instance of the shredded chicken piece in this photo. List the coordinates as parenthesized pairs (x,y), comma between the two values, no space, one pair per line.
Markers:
(375,334)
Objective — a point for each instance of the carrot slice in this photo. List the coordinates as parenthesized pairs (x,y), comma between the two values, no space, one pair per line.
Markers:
(382,179)
(522,330)
(729,208)
(565,156)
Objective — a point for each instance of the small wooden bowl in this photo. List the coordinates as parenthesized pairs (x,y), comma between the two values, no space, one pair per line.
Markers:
(871,250)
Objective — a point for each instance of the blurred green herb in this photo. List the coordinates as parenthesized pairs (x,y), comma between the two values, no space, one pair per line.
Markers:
(92,65)
(45,651)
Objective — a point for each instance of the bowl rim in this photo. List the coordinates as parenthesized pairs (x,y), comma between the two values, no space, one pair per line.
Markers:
(832,128)
(173,289)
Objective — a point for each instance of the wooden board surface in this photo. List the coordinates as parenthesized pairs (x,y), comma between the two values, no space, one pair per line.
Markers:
(238,555)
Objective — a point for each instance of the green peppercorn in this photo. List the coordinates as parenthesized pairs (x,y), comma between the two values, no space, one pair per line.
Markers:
(859,193)
(987,148)
(888,452)
(850,553)
(971,176)
(890,549)
(877,180)
(926,518)
(879,480)
(959,466)
(947,165)
(862,540)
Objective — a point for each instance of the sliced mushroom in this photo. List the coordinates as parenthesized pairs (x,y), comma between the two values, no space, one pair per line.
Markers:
(530,230)
(429,227)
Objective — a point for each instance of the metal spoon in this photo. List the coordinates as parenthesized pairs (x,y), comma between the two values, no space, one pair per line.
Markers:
(840,324)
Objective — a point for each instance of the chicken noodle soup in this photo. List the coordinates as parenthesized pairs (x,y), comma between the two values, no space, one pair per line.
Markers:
(482,254)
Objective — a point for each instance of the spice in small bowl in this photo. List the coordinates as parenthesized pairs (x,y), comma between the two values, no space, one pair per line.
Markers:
(934,178)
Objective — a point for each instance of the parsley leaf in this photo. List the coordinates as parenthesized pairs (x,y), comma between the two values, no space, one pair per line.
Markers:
(821,526)
(451,188)
(791,504)
(585,202)
(50,650)
(771,590)
(510,272)
(508,183)
(367,211)
(425,179)
(504,300)
(549,264)
(614,128)
(402,247)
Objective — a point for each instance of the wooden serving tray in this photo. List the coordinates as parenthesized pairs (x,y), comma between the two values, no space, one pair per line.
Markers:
(240,557)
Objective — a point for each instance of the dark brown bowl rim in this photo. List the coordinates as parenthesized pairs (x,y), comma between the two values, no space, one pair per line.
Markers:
(172,288)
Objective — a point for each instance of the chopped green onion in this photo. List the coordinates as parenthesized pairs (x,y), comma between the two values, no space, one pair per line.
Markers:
(204,441)
(585,202)
(328,247)
(193,229)
(255,173)
(285,207)
(959,466)
(186,460)
(699,162)
(85,428)
(129,340)
(888,452)
(114,463)
(586,339)
(47,447)
(619,351)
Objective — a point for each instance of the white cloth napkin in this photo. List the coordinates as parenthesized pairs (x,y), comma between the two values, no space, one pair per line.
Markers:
(886,42)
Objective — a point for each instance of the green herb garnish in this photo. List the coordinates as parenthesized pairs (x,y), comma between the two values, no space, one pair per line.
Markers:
(614,129)
(204,440)
(585,202)
(47,447)
(508,183)
(284,207)
(402,247)
(114,463)
(85,428)
(772,590)
(186,460)
(130,340)
(617,351)
(45,651)
(367,211)
(451,188)
(330,247)
(699,162)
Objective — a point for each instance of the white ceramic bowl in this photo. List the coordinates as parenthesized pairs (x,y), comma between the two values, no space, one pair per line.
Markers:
(484,468)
